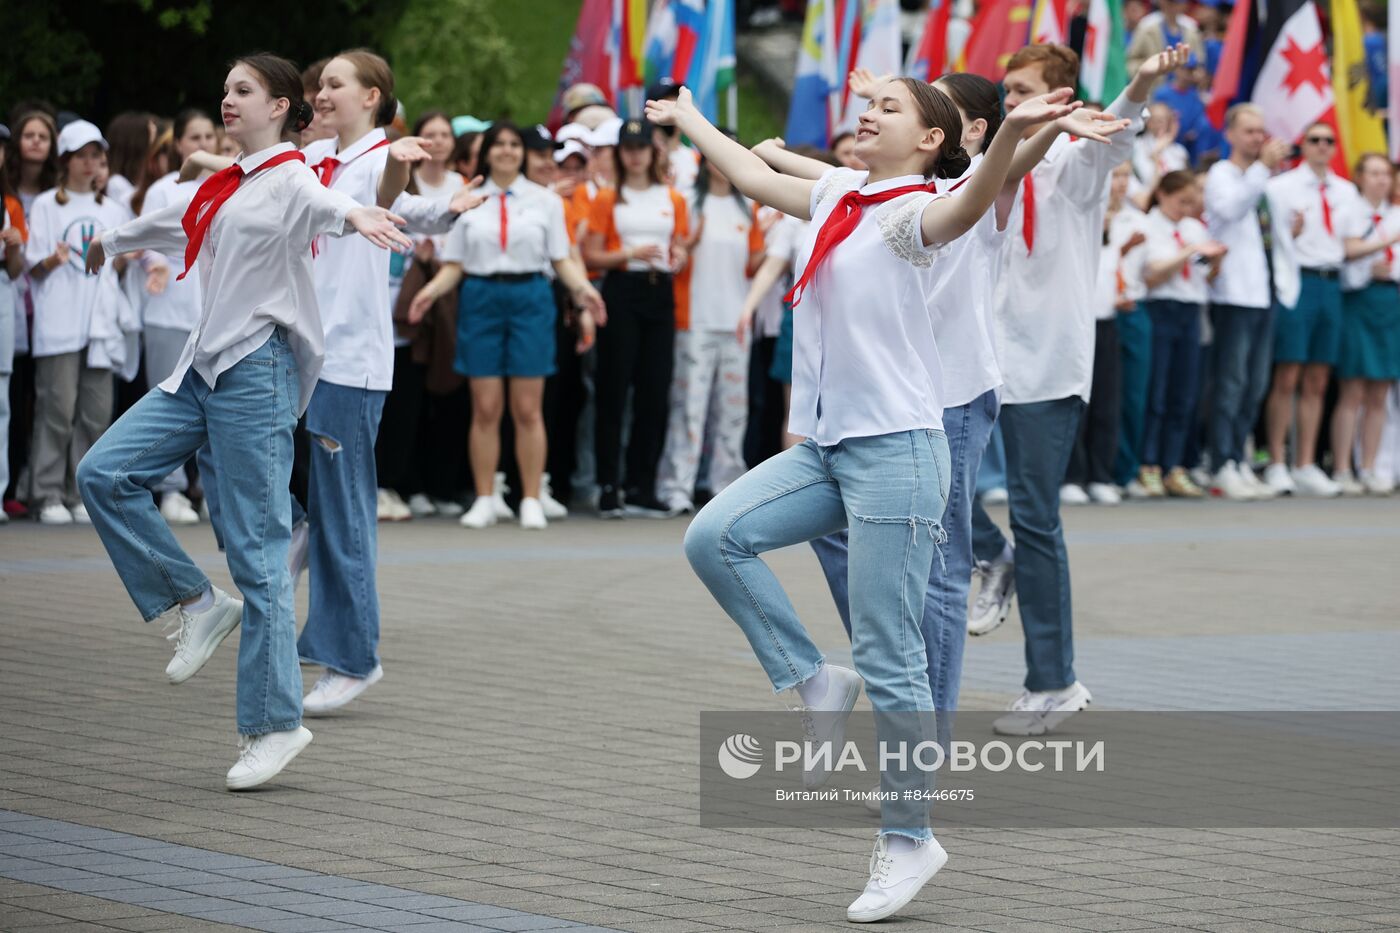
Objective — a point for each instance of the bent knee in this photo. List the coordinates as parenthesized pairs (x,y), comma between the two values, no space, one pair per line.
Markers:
(704,540)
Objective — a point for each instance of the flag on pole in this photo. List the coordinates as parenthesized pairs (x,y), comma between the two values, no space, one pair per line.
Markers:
(1358,129)
(1226,88)
(674,28)
(838,58)
(712,66)
(880,50)
(930,54)
(587,58)
(1294,84)
(1050,23)
(626,39)
(807,112)
(1103,71)
(1001,27)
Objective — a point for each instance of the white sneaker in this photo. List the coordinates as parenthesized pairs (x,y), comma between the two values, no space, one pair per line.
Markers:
(532,515)
(1136,490)
(398,510)
(1104,494)
(1277,478)
(80,515)
(1070,494)
(200,634)
(1201,477)
(997,495)
(1039,713)
(176,509)
(993,602)
(421,506)
(449,508)
(554,510)
(1348,484)
(895,879)
(55,513)
(334,690)
(1376,485)
(1262,490)
(382,509)
(498,499)
(482,514)
(1311,481)
(1228,484)
(296,552)
(825,721)
(262,757)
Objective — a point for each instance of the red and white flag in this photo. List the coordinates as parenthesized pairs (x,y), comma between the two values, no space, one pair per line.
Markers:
(1294,85)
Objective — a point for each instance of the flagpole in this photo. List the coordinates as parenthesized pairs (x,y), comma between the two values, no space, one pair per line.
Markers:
(733,106)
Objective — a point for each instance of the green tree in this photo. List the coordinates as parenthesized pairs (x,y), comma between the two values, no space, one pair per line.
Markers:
(451,54)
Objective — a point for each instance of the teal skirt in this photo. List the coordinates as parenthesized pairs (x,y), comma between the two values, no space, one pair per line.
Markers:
(1371,333)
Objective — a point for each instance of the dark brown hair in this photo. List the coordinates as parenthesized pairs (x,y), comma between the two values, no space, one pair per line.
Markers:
(372,71)
(48,174)
(656,171)
(1172,182)
(938,111)
(281,79)
(1059,66)
(978,98)
(164,145)
(128,140)
(491,137)
(1367,157)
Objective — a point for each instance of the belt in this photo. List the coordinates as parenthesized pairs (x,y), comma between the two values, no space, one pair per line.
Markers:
(1380,281)
(1322,273)
(650,276)
(508,276)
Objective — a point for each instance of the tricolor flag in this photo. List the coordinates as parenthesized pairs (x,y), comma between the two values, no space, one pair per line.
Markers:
(929,56)
(1000,29)
(674,28)
(626,36)
(586,61)
(1050,23)
(712,66)
(1358,129)
(880,49)
(1103,70)
(1294,84)
(823,62)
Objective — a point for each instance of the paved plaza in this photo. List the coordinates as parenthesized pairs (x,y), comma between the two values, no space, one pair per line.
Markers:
(529,761)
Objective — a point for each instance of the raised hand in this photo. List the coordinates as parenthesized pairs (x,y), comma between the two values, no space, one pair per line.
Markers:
(864,83)
(1148,72)
(409,149)
(669,112)
(1273,153)
(1042,109)
(380,227)
(468,197)
(1092,124)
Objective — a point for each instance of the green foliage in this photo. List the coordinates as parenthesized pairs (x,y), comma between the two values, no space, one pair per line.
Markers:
(452,55)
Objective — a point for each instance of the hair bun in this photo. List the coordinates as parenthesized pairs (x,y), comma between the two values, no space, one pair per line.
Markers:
(954,163)
(302,115)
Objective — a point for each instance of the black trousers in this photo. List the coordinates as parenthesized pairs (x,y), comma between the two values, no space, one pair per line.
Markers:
(763,436)
(636,352)
(1091,460)
(565,396)
(395,451)
(442,443)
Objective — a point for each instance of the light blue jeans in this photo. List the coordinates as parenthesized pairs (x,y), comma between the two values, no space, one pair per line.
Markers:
(889,491)
(247,420)
(342,622)
(944,622)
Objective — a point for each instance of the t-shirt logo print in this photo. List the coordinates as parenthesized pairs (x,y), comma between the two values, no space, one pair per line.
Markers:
(79,236)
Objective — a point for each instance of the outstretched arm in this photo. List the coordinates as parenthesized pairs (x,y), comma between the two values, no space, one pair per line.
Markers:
(404,153)
(745,170)
(774,152)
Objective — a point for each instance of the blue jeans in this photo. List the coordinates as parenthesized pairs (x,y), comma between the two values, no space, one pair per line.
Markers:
(944,622)
(1176,366)
(342,622)
(1039,437)
(992,473)
(247,420)
(1244,345)
(890,491)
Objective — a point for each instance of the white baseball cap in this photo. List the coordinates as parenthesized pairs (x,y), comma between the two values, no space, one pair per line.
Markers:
(570,147)
(572,131)
(606,134)
(78,134)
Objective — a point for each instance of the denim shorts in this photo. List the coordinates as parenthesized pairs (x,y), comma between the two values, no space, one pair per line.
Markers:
(505,327)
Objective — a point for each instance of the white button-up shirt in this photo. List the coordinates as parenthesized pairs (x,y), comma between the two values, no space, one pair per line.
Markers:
(1232,197)
(962,305)
(865,360)
(1165,240)
(64,299)
(1300,191)
(254,267)
(536,236)
(1044,322)
(1360,222)
(177,307)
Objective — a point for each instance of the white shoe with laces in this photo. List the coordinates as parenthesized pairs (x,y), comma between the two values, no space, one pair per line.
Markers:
(1376,485)
(1262,490)
(824,722)
(176,509)
(993,602)
(1072,494)
(532,515)
(1280,480)
(1136,490)
(262,757)
(1228,484)
(398,510)
(296,552)
(1348,484)
(1104,494)
(1036,713)
(335,689)
(482,514)
(199,634)
(450,508)
(554,510)
(55,513)
(1311,481)
(895,878)
(498,499)
(80,515)
(421,506)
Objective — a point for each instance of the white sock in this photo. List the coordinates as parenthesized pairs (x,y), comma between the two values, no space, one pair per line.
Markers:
(813,689)
(900,845)
(203,603)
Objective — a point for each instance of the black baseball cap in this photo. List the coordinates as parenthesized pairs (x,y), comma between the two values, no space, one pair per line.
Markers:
(662,88)
(635,132)
(537,138)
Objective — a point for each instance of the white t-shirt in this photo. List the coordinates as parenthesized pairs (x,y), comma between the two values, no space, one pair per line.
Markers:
(177,307)
(685,167)
(865,360)
(535,234)
(1365,221)
(1119,276)
(719,263)
(120,188)
(1148,168)
(962,305)
(645,218)
(781,240)
(1166,239)
(64,299)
